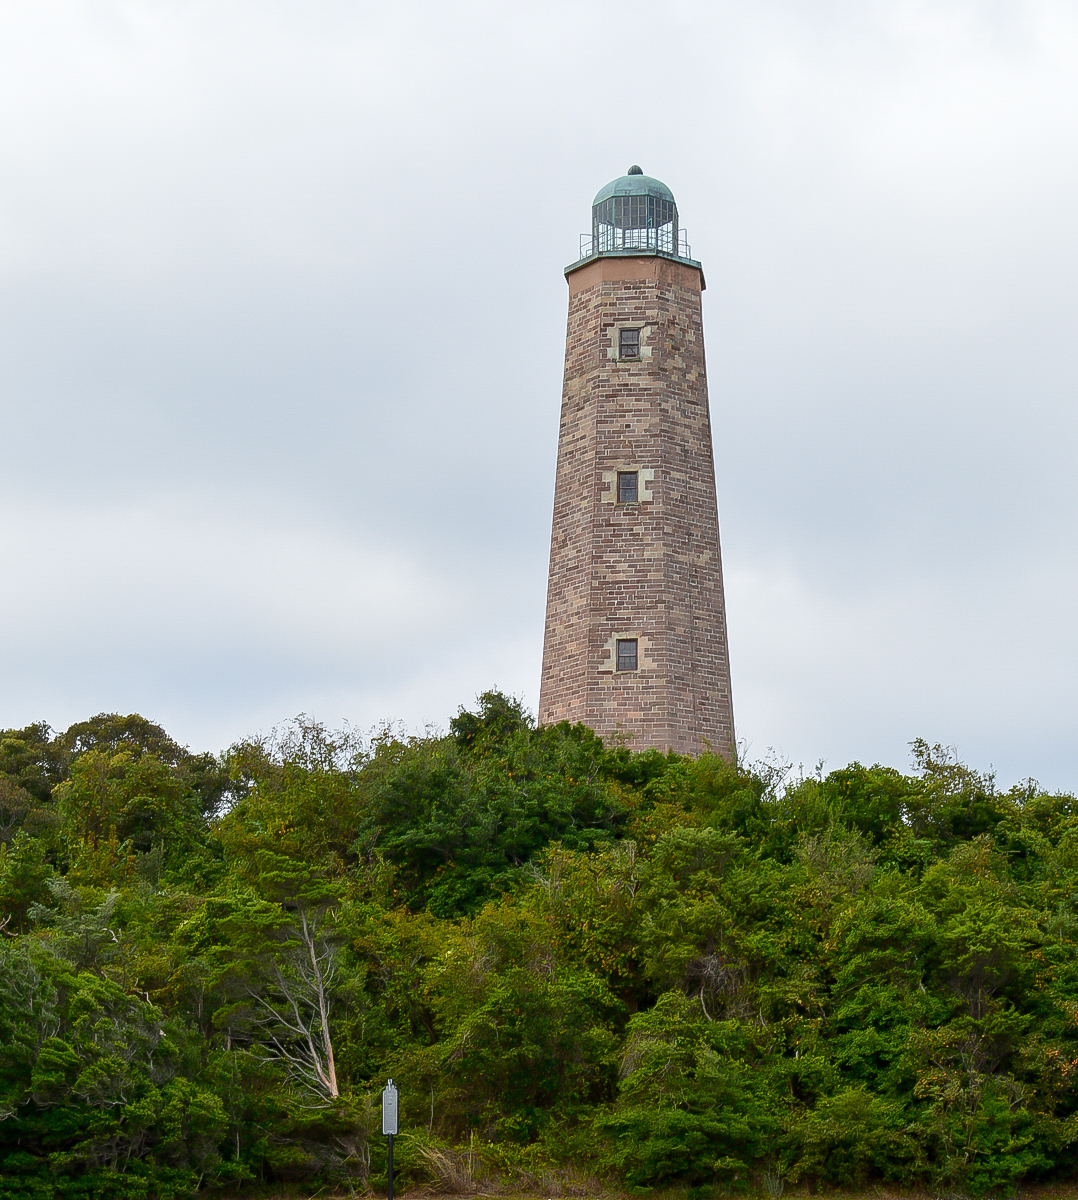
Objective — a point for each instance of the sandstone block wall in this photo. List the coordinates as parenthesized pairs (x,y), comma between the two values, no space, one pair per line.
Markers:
(650,570)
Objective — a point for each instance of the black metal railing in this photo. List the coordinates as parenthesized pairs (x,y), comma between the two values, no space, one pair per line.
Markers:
(609,239)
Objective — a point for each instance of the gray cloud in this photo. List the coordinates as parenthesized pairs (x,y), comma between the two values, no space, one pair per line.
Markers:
(283,315)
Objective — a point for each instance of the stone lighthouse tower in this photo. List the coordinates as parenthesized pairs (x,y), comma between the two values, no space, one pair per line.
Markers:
(635,643)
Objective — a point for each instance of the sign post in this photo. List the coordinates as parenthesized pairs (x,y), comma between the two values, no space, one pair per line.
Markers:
(389,1124)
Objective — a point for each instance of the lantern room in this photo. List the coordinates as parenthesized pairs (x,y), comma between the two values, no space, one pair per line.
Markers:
(634,214)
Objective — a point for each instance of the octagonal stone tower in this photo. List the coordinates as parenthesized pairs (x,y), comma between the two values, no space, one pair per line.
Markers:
(635,643)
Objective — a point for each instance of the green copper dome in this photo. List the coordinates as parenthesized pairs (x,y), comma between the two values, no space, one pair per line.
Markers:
(634,183)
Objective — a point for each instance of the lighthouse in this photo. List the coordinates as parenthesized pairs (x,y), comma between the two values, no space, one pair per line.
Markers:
(635,642)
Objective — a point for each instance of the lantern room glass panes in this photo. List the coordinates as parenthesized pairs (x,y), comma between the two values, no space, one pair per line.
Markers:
(627,656)
(635,223)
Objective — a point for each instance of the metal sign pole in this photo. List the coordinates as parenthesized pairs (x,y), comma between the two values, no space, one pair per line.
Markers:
(389,1125)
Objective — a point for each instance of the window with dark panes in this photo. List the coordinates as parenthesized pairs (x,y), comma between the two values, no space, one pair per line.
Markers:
(628,487)
(629,343)
(627,654)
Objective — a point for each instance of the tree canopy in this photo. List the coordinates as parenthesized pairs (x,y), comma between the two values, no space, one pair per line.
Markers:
(578,962)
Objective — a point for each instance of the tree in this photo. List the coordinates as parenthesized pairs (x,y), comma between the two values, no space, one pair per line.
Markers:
(279,953)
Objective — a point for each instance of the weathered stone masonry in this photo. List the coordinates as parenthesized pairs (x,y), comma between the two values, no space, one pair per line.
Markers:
(649,570)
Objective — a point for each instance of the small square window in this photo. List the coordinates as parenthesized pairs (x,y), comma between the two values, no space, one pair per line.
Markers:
(628,487)
(629,343)
(627,654)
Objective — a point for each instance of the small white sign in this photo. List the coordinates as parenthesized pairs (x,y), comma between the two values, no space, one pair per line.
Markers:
(389,1108)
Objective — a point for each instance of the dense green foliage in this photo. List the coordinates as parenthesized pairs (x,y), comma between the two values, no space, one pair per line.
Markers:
(575,961)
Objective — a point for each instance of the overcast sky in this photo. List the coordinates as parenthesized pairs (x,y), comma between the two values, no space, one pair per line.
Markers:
(282,330)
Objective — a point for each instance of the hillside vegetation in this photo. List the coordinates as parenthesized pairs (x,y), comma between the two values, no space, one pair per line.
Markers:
(578,963)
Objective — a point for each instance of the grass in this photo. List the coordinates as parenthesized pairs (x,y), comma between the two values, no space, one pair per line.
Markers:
(1066,1190)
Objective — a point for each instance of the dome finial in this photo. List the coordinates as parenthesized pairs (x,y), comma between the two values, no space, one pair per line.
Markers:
(635,170)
